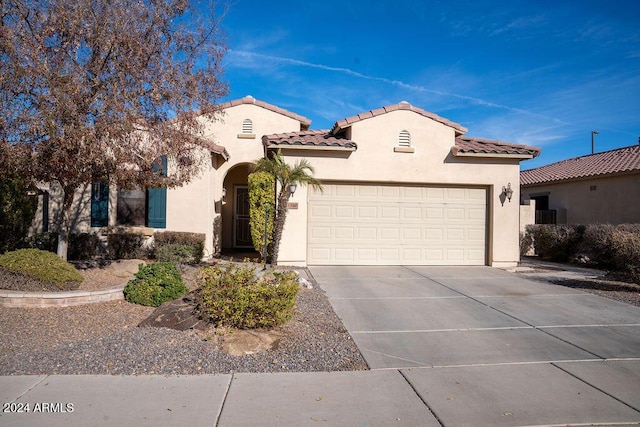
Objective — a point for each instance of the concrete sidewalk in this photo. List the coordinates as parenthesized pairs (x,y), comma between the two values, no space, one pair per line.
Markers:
(447,346)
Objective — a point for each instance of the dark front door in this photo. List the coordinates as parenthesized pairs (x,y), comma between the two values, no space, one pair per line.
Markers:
(241,228)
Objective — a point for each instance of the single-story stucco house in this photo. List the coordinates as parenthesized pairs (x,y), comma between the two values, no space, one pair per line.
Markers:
(401,186)
(600,188)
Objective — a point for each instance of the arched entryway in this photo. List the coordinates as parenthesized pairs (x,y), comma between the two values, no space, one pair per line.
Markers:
(236,233)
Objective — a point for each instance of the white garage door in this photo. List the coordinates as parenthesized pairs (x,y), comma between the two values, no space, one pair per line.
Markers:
(354,224)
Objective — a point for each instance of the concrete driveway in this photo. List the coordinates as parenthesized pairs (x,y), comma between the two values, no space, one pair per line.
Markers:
(481,346)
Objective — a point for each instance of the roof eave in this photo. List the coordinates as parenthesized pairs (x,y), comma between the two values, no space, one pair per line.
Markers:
(311,147)
(581,178)
(224,154)
(456,152)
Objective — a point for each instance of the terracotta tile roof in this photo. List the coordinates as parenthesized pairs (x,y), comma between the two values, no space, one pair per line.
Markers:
(251,100)
(215,148)
(309,138)
(340,125)
(478,146)
(621,160)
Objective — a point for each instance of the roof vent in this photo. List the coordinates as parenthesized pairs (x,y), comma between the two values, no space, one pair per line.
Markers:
(250,99)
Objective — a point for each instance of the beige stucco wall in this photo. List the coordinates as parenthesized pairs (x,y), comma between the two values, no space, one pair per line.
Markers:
(527,214)
(193,206)
(613,201)
(430,163)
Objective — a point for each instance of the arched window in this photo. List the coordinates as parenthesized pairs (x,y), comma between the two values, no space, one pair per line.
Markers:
(404,139)
(247,126)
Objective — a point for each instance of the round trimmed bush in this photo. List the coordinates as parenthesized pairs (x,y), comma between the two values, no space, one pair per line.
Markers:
(155,284)
(235,296)
(42,265)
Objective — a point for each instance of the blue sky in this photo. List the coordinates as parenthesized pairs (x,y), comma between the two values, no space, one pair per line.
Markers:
(541,73)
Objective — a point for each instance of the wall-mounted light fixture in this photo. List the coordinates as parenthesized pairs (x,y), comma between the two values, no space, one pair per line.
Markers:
(507,192)
(224,192)
(292,189)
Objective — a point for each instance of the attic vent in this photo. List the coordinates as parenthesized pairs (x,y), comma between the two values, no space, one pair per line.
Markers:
(247,126)
(404,139)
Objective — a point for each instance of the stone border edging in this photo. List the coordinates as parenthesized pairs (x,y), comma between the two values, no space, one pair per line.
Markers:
(58,299)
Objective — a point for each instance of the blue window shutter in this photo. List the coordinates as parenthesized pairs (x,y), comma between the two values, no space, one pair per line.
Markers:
(100,204)
(157,207)
(157,203)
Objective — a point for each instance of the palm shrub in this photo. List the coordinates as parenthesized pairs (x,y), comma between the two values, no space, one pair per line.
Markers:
(284,174)
(235,296)
(261,194)
(42,265)
(155,284)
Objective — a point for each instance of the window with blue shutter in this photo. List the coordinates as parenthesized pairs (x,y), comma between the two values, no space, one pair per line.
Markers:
(157,201)
(100,204)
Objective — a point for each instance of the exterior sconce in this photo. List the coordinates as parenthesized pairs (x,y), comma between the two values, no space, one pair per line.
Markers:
(224,192)
(507,192)
(292,189)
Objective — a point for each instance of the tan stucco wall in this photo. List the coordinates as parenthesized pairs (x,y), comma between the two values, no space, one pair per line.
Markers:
(430,163)
(527,214)
(193,207)
(614,200)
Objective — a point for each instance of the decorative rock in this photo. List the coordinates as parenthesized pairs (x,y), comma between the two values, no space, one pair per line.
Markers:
(305,283)
(244,342)
(125,267)
(177,314)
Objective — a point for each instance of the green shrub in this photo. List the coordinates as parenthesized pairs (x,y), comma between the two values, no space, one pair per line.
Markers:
(84,246)
(234,296)
(194,240)
(626,258)
(155,284)
(125,246)
(556,242)
(526,243)
(597,242)
(260,198)
(47,241)
(42,265)
(17,208)
(177,254)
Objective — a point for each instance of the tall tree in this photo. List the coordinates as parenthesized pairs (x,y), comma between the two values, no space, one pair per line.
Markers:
(101,89)
(300,173)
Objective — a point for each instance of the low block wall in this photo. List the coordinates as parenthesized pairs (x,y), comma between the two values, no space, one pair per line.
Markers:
(58,299)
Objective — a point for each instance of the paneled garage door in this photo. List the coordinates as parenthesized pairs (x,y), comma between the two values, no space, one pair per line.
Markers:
(355,224)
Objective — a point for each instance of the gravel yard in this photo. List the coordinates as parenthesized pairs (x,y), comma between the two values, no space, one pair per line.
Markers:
(613,289)
(104,339)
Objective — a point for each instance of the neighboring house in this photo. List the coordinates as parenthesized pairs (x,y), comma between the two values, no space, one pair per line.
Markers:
(597,188)
(401,186)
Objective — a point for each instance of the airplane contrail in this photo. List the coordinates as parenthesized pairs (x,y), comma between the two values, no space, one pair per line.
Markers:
(417,88)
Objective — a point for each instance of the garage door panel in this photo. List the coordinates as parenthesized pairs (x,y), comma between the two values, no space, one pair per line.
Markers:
(384,224)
